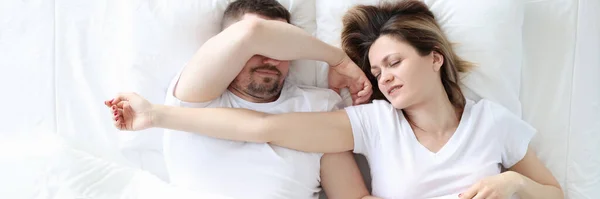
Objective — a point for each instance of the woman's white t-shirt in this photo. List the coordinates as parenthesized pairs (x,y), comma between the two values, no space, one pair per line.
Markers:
(488,137)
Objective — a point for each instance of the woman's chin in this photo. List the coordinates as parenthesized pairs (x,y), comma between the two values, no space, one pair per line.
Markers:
(398,103)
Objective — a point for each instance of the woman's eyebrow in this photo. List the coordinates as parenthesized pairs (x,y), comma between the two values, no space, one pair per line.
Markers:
(384,60)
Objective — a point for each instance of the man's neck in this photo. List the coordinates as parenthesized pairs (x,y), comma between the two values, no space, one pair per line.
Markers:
(251,98)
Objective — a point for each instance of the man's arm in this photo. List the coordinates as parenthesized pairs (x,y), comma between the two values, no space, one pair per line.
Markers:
(341,178)
(221,58)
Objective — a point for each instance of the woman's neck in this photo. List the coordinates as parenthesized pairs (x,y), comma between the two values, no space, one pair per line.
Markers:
(436,115)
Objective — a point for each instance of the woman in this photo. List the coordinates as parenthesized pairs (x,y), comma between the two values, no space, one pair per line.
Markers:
(422,138)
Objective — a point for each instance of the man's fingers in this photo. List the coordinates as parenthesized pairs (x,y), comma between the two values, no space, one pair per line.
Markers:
(366,94)
(355,99)
(367,88)
(363,92)
(363,99)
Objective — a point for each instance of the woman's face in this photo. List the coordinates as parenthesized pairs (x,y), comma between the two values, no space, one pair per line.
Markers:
(404,77)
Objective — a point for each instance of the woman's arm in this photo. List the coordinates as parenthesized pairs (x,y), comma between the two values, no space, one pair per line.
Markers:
(535,180)
(324,132)
(528,178)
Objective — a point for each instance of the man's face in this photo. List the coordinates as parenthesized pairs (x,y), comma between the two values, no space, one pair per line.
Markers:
(261,77)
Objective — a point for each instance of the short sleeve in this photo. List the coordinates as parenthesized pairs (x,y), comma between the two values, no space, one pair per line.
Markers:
(335,102)
(515,137)
(364,127)
(171,100)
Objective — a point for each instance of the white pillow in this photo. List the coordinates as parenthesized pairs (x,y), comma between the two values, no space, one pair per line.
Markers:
(487,33)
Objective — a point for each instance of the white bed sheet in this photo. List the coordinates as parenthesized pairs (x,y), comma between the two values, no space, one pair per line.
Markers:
(27,67)
(60,59)
(583,169)
(560,90)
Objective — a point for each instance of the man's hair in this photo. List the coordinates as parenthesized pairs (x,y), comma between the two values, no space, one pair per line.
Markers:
(268,8)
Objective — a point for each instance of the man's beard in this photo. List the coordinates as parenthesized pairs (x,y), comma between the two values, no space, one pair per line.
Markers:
(268,87)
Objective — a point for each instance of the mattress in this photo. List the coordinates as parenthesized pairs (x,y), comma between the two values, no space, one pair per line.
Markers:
(61,58)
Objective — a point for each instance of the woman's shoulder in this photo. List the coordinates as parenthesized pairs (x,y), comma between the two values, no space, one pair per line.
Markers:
(380,106)
(374,109)
(489,105)
(496,111)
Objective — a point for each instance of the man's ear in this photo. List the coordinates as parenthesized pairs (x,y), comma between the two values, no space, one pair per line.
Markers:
(438,60)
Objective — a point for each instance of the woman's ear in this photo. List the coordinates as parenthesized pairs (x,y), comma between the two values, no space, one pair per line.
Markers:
(438,60)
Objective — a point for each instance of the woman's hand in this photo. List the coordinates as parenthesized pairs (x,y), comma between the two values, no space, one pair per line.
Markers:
(131,112)
(348,74)
(501,186)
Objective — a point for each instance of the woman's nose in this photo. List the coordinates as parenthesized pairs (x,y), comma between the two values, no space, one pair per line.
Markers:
(270,61)
(386,78)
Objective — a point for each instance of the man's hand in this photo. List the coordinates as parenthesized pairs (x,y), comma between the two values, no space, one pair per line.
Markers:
(348,75)
(131,112)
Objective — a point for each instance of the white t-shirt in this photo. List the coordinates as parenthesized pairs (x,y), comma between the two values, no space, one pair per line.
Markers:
(242,169)
(488,137)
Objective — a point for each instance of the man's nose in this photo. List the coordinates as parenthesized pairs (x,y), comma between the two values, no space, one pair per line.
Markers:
(272,62)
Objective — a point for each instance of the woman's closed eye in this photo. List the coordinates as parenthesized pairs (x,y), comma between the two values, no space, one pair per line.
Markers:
(394,63)
(376,74)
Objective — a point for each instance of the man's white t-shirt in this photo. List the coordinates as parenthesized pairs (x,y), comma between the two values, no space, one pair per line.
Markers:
(488,137)
(242,169)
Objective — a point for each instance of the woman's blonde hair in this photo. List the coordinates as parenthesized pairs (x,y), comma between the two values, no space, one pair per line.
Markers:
(409,21)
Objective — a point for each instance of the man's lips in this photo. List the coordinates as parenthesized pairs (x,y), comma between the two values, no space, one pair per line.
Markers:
(267,71)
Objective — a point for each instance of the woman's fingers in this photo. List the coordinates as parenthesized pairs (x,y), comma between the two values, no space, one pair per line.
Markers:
(118,120)
(118,123)
(118,106)
(108,103)
(122,97)
(113,110)
(470,193)
(483,194)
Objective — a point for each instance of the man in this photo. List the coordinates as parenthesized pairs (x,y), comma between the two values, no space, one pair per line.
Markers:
(245,66)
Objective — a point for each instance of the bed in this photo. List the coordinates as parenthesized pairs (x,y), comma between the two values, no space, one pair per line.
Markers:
(61,58)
